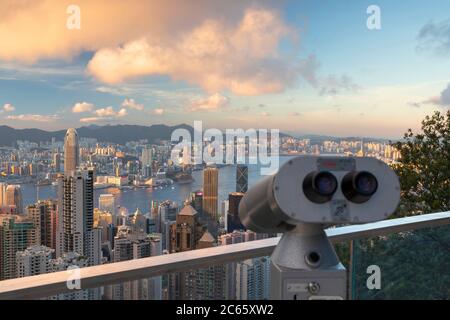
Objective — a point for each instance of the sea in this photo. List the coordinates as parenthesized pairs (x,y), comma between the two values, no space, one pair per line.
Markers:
(134,198)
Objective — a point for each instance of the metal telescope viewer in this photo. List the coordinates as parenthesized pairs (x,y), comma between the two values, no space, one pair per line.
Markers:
(306,195)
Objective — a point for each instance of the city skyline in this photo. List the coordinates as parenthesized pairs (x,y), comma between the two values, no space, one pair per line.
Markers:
(294,72)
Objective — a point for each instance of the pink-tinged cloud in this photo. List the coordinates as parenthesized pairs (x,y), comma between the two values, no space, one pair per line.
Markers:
(110,112)
(7,107)
(33,117)
(132,104)
(81,107)
(243,58)
(211,103)
(158,111)
(33,30)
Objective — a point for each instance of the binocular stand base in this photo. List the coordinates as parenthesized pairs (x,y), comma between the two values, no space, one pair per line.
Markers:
(304,266)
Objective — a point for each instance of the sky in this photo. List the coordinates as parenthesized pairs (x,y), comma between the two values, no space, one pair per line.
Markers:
(343,68)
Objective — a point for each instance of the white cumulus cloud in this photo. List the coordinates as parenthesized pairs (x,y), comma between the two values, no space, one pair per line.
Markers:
(80,107)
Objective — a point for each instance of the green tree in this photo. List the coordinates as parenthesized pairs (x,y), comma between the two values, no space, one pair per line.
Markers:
(424,167)
(415,264)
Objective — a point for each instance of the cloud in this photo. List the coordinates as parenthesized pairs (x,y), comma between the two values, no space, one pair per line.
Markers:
(211,103)
(294,114)
(265,114)
(106,114)
(80,107)
(158,111)
(109,112)
(435,37)
(7,107)
(333,85)
(33,117)
(131,104)
(443,99)
(243,58)
(36,30)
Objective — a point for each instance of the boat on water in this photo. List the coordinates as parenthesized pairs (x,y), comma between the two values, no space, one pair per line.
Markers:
(183,178)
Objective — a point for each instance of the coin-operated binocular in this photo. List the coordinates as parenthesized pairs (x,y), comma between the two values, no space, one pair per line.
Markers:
(306,195)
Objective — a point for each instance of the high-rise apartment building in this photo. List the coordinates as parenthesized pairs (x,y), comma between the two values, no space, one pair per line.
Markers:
(33,261)
(249,279)
(76,232)
(44,214)
(209,282)
(184,236)
(130,244)
(210,191)
(16,234)
(71,151)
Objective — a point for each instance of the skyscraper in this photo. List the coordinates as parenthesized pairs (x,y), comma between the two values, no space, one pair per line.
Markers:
(76,232)
(233,221)
(2,194)
(241,178)
(184,236)
(209,282)
(14,198)
(16,234)
(130,244)
(210,191)
(71,151)
(44,214)
(33,260)
(57,161)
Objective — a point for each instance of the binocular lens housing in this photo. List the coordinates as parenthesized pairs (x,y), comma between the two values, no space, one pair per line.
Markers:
(319,186)
(358,187)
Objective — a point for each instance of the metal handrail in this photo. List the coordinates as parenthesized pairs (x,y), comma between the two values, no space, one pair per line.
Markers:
(45,285)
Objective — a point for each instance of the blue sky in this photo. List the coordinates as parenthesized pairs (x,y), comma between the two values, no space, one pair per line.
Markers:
(299,66)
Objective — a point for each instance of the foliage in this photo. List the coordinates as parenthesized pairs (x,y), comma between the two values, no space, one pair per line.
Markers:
(416,264)
(424,167)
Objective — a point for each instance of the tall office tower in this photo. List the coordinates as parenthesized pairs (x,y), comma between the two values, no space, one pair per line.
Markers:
(44,214)
(2,194)
(209,282)
(233,221)
(135,245)
(241,178)
(71,151)
(56,161)
(184,236)
(224,206)
(33,260)
(107,203)
(146,161)
(14,198)
(16,234)
(76,232)
(210,191)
